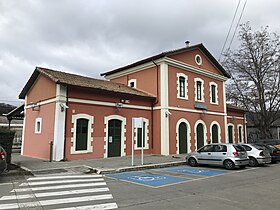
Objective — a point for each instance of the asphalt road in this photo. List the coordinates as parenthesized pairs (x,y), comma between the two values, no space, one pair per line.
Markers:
(176,188)
(251,188)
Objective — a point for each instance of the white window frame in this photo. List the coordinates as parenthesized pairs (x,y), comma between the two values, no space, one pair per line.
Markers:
(242,136)
(146,136)
(198,56)
(178,86)
(130,81)
(123,134)
(216,87)
(204,129)
(219,131)
(182,120)
(233,132)
(38,120)
(202,89)
(89,136)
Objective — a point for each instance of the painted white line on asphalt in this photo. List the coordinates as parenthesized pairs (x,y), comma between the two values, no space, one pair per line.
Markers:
(56,201)
(8,183)
(59,193)
(100,206)
(59,187)
(61,182)
(63,177)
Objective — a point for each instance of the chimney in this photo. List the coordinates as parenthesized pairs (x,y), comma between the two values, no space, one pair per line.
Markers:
(187,43)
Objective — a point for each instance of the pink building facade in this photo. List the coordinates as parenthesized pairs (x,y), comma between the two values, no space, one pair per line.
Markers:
(179,94)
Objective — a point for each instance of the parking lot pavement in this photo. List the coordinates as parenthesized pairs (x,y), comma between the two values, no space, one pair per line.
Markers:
(169,176)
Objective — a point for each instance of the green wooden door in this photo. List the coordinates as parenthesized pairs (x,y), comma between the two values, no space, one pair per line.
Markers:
(230,134)
(114,138)
(82,134)
(183,145)
(215,134)
(200,135)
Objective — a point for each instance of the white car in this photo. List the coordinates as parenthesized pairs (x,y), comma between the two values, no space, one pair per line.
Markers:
(257,154)
(227,155)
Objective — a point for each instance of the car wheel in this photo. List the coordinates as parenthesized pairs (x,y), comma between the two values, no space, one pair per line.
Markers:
(192,162)
(253,162)
(242,166)
(229,164)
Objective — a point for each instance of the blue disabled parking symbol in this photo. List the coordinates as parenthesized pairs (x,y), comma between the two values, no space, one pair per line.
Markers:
(195,171)
(150,179)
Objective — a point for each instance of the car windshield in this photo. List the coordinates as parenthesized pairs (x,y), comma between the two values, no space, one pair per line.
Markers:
(239,148)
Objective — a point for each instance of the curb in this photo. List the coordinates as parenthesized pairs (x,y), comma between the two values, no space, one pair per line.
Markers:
(137,168)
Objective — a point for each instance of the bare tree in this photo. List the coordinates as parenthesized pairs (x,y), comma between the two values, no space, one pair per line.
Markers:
(255,70)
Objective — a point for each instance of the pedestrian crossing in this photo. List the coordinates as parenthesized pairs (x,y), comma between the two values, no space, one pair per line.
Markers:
(69,192)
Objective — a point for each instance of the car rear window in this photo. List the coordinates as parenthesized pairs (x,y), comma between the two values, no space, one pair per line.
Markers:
(258,147)
(239,148)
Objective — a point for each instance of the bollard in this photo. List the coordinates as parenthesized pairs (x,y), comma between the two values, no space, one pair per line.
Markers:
(51,151)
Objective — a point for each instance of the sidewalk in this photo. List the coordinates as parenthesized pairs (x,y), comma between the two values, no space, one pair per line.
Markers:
(100,166)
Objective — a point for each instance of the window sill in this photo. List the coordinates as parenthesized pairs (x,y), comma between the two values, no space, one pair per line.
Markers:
(183,98)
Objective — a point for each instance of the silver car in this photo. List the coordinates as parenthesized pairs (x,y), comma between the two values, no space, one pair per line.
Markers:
(257,154)
(227,155)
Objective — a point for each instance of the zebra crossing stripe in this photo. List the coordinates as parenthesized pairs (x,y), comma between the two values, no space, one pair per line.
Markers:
(61,182)
(59,187)
(64,177)
(100,206)
(56,201)
(60,193)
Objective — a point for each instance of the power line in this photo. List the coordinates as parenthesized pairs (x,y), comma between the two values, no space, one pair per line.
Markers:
(237,24)
(229,29)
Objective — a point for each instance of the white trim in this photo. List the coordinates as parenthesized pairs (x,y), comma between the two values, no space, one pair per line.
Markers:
(182,120)
(164,117)
(245,129)
(225,111)
(233,132)
(204,129)
(242,133)
(210,88)
(131,70)
(59,123)
(123,133)
(38,130)
(146,136)
(89,136)
(198,56)
(234,117)
(219,131)
(192,111)
(134,81)
(101,103)
(194,69)
(48,101)
(178,86)
(171,62)
(202,89)
(24,127)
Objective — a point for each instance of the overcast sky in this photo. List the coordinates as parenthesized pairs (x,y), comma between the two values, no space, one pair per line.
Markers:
(90,37)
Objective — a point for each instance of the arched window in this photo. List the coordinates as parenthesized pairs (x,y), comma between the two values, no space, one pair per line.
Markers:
(230,133)
(215,133)
(82,134)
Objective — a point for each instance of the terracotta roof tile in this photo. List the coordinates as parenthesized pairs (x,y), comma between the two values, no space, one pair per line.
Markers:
(85,82)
